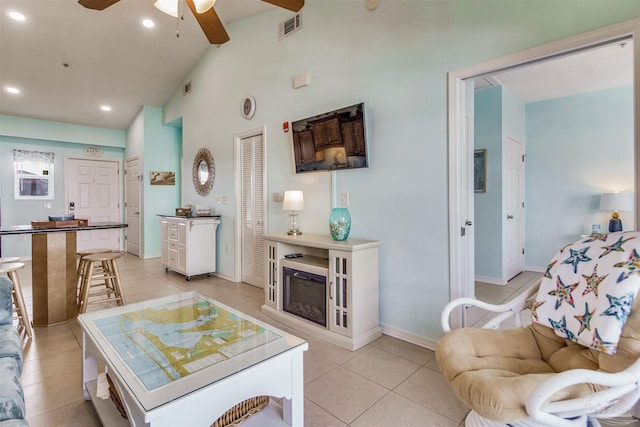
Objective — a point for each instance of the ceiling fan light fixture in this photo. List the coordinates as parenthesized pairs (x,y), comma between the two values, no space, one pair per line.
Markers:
(170,7)
(203,5)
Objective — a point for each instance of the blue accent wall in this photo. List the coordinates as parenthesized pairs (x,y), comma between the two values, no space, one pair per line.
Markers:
(162,152)
(395,60)
(488,205)
(578,147)
(21,212)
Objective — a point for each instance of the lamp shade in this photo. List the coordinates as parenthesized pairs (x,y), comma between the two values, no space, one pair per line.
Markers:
(293,200)
(203,5)
(170,7)
(616,202)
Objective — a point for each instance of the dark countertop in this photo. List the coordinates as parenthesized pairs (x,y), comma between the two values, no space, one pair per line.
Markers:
(27,229)
(189,217)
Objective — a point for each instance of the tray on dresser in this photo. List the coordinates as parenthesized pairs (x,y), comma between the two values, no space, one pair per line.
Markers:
(60,224)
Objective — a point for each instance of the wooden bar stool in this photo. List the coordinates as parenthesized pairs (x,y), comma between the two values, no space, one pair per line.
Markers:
(11,269)
(8,259)
(81,266)
(100,281)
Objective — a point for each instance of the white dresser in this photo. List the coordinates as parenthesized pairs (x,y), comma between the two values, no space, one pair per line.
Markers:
(189,244)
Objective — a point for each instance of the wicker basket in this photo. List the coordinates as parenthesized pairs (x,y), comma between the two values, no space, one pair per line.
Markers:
(242,411)
(115,397)
(231,418)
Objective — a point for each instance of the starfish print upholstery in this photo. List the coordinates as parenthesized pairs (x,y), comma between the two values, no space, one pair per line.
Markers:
(577,256)
(585,319)
(563,293)
(593,281)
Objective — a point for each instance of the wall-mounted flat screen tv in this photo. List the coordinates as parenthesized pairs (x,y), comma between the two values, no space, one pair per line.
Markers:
(335,140)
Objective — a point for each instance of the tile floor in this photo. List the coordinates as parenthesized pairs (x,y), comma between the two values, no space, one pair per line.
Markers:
(386,383)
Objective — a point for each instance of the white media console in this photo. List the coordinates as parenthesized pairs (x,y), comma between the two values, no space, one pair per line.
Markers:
(350,269)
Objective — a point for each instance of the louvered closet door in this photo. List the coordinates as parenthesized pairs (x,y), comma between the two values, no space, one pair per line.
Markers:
(253,212)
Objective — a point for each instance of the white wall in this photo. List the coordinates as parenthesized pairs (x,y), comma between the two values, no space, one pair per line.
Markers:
(396,60)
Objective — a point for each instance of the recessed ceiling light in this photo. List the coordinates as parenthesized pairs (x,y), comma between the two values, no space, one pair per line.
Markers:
(12,89)
(16,16)
(105,108)
(148,23)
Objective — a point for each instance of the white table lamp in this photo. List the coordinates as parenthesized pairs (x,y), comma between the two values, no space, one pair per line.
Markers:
(294,202)
(616,202)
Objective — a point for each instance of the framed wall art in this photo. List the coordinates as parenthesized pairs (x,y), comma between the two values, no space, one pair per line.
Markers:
(480,170)
(162,178)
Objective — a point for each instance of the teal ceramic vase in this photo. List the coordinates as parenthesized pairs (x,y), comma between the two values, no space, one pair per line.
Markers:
(340,223)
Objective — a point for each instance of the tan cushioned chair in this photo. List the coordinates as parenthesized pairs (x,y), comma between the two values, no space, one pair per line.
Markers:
(511,375)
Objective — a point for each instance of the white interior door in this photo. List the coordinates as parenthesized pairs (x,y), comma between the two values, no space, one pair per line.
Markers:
(132,206)
(514,208)
(93,186)
(252,209)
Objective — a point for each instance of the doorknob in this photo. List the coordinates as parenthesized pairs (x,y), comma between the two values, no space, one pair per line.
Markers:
(509,216)
(468,223)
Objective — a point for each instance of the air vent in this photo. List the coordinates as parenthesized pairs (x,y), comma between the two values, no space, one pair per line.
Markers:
(290,26)
(187,89)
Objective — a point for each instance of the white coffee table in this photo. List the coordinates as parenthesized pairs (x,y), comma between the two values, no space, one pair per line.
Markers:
(186,359)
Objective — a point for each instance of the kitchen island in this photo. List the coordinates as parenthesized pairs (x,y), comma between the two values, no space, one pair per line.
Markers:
(53,273)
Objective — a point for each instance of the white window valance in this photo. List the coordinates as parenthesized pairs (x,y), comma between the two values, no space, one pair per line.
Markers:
(33,156)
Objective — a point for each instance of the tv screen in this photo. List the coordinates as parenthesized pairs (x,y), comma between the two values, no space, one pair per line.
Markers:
(335,140)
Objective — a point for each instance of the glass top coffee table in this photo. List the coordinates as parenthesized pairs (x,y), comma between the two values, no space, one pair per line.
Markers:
(186,359)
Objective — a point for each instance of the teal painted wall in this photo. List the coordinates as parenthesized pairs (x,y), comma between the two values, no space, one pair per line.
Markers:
(488,205)
(162,152)
(396,60)
(513,116)
(578,147)
(20,212)
(24,127)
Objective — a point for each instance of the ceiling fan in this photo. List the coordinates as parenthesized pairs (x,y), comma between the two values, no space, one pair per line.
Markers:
(203,11)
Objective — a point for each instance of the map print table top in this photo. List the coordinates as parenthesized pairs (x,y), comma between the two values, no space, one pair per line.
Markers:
(164,341)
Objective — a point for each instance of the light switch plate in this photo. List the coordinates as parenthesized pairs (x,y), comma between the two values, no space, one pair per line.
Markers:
(344,199)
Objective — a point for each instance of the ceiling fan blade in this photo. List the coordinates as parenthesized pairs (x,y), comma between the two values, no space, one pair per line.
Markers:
(210,24)
(292,5)
(97,4)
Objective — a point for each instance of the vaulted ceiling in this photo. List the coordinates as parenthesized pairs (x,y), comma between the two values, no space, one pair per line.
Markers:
(68,61)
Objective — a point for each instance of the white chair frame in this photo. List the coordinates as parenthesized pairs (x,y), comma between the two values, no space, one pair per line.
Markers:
(621,395)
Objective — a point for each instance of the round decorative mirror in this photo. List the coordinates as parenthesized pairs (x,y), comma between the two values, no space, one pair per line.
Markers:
(203,171)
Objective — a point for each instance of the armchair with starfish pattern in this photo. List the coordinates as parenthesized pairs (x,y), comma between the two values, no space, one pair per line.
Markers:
(577,361)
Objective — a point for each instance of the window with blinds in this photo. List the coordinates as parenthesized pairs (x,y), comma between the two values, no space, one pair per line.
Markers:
(33,174)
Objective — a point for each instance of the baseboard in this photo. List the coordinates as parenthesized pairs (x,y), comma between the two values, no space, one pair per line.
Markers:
(295,322)
(409,337)
(225,277)
(536,269)
(150,256)
(490,280)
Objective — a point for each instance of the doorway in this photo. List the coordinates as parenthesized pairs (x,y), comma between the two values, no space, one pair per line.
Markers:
(93,187)
(513,257)
(132,205)
(461,216)
(250,155)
